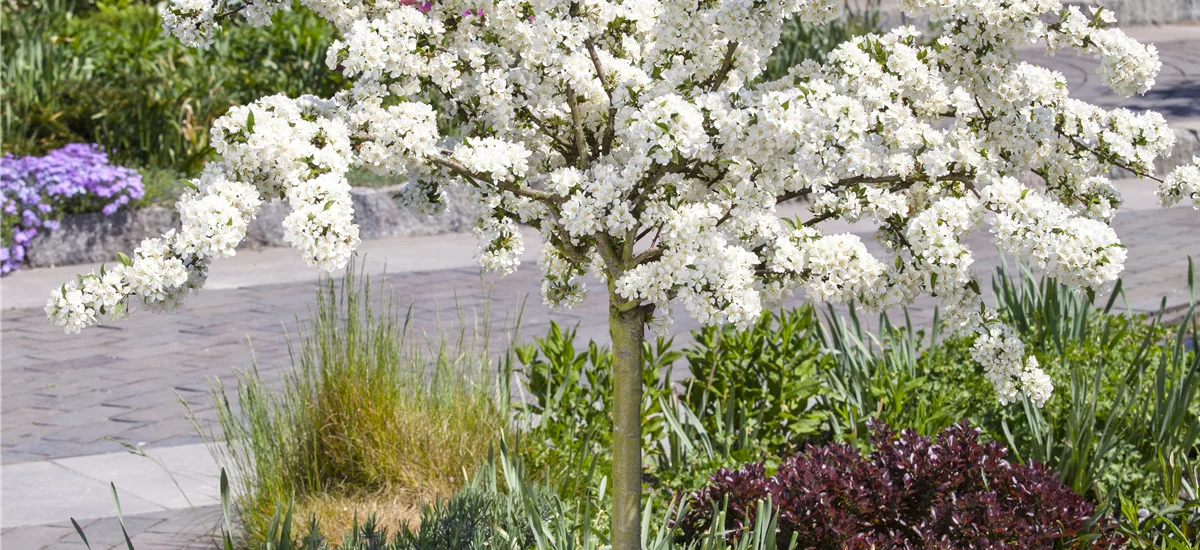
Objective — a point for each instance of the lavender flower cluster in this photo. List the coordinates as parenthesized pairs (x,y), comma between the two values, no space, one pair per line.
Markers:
(35,192)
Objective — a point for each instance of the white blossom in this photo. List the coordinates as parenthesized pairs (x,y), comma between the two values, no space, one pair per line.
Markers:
(638,138)
(1181,185)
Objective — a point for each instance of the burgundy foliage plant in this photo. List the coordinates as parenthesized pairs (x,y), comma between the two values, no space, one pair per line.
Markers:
(912,492)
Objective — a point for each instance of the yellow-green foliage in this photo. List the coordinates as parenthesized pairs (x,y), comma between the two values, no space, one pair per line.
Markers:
(370,411)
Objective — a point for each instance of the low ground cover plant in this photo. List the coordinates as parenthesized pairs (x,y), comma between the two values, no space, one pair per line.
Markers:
(37,191)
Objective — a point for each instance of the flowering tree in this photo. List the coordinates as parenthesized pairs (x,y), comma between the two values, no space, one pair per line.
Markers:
(638,138)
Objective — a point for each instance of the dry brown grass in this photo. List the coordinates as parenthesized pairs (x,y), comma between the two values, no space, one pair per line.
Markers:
(337,512)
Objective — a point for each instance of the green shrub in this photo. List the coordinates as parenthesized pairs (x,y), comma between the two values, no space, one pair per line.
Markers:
(801,41)
(104,72)
(749,396)
(1125,387)
(760,380)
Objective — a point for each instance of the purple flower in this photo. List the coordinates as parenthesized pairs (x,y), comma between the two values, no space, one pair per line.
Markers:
(36,191)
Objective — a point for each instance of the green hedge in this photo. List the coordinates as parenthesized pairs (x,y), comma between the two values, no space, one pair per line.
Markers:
(104,72)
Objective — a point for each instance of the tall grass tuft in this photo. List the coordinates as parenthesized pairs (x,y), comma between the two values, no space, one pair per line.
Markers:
(371,415)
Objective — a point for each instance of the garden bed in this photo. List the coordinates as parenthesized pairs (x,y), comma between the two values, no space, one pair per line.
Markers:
(91,238)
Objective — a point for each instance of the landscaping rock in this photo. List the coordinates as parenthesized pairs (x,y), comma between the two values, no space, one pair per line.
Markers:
(90,238)
(1153,12)
(1128,12)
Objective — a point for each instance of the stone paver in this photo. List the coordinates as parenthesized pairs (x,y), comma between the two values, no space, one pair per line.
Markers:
(124,383)
(185,529)
(1176,92)
(154,480)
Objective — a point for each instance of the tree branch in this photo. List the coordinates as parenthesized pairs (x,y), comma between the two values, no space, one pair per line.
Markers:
(563,147)
(443,159)
(611,129)
(718,77)
(1118,164)
(581,161)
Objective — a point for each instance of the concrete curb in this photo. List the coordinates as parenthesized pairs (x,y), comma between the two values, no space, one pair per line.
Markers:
(92,238)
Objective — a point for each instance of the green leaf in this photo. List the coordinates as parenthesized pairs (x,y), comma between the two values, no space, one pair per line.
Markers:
(125,261)
(227,536)
(250,122)
(120,519)
(79,530)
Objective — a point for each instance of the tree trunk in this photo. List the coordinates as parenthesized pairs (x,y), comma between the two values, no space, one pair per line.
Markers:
(628,333)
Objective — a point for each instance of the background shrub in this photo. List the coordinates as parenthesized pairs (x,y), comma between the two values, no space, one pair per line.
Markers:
(104,72)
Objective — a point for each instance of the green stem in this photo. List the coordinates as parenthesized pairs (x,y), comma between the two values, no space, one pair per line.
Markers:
(628,334)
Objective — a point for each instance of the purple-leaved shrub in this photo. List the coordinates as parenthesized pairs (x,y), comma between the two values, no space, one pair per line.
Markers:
(35,192)
(912,492)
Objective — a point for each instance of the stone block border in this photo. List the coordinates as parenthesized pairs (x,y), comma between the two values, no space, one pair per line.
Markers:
(92,238)
(1128,12)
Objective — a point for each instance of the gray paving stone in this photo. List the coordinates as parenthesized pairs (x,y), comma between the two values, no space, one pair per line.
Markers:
(107,532)
(38,490)
(184,529)
(36,537)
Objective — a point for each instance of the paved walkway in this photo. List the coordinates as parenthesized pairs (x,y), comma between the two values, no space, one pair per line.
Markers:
(71,404)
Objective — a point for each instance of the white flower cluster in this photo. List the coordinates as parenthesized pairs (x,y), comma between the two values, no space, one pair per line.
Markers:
(500,244)
(711,276)
(1126,65)
(298,149)
(1182,184)
(668,126)
(561,284)
(841,270)
(500,160)
(1078,251)
(394,139)
(216,216)
(1008,369)
(193,22)
(77,303)
(637,138)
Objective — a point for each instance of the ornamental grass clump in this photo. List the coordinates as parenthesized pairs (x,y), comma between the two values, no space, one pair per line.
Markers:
(638,138)
(373,418)
(35,192)
(911,492)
